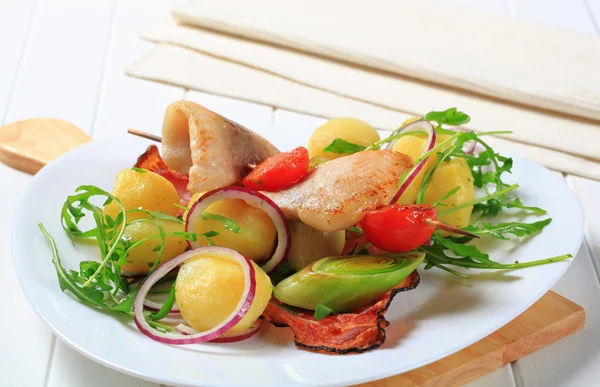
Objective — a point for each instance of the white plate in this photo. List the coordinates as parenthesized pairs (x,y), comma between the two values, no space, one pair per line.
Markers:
(442,316)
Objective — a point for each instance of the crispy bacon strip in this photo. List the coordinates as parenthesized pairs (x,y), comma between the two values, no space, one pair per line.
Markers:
(344,333)
(152,161)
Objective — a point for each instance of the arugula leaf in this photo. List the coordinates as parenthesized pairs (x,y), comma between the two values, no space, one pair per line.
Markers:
(470,257)
(355,229)
(501,230)
(167,306)
(500,193)
(343,147)
(516,203)
(494,206)
(230,224)
(462,250)
(158,215)
(449,117)
(446,196)
(322,311)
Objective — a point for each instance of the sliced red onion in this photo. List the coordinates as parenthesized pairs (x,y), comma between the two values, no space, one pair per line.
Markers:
(228,337)
(417,126)
(155,307)
(251,197)
(238,313)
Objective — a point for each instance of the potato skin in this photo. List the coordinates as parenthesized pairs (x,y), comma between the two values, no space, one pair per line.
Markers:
(349,129)
(143,255)
(146,190)
(257,236)
(210,286)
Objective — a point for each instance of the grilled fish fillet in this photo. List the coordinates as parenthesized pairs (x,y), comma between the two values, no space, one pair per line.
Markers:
(212,149)
(337,194)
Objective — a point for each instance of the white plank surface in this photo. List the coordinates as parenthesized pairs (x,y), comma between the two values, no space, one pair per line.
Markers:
(593,7)
(25,340)
(15,24)
(502,377)
(72,369)
(62,66)
(127,102)
(588,192)
(568,14)
(65,58)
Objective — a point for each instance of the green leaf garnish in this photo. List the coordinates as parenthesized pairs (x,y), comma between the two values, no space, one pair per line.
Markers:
(283,271)
(167,306)
(159,215)
(140,170)
(469,256)
(321,311)
(501,230)
(448,117)
(228,223)
(343,147)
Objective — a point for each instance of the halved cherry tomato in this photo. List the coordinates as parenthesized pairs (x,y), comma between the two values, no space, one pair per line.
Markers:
(399,229)
(279,172)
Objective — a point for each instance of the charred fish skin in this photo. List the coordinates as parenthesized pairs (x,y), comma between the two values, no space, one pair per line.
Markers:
(338,193)
(213,150)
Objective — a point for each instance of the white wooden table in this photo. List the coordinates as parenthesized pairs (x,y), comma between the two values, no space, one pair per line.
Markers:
(65,59)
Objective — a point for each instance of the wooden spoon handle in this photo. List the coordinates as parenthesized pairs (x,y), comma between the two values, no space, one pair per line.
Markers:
(29,145)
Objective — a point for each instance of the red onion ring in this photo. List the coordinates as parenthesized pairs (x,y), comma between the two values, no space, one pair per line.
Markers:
(155,307)
(417,126)
(228,337)
(256,199)
(238,313)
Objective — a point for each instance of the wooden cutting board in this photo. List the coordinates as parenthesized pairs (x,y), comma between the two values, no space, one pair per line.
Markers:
(550,319)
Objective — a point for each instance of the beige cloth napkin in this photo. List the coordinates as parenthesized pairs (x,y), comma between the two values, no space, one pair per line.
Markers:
(311,84)
(491,54)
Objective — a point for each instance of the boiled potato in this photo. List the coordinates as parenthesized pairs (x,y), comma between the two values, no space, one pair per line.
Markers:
(146,190)
(257,236)
(310,244)
(349,129)
(208,288)
(446,177)
(410,121)
(143,255)
(414,146)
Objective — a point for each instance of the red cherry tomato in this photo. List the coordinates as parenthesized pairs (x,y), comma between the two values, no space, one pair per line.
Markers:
(279,172)
(397,228)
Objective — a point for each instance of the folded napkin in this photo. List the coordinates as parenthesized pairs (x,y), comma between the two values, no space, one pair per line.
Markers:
(277,76)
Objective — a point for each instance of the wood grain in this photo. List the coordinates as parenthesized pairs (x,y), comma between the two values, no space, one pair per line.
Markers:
(550,319)
(28,145)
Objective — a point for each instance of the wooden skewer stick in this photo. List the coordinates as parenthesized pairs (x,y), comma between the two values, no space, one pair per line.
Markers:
(147,135)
